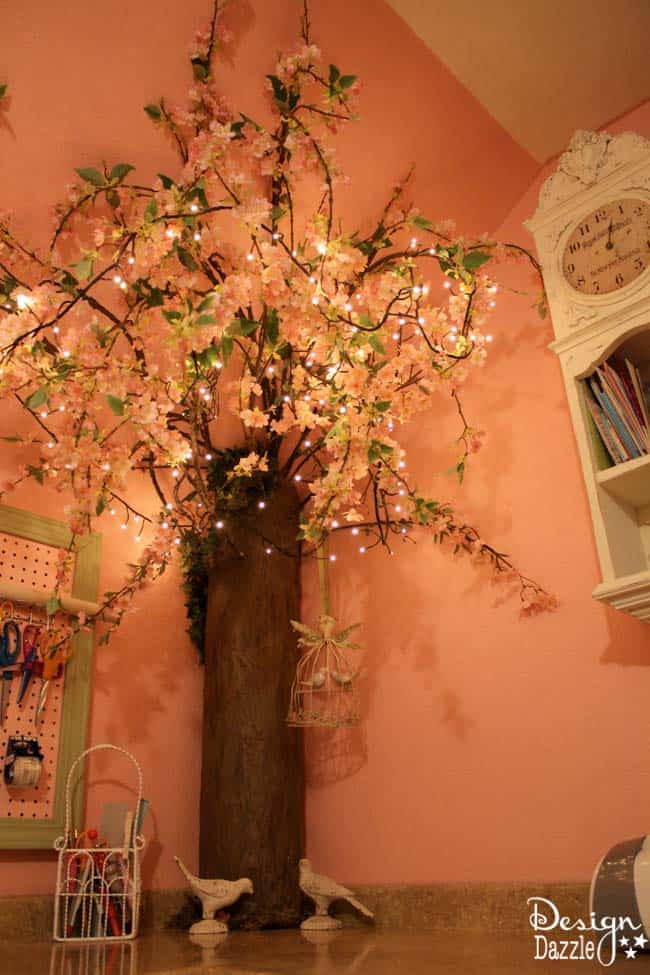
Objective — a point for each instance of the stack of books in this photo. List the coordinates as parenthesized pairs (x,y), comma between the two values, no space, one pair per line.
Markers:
(616,401)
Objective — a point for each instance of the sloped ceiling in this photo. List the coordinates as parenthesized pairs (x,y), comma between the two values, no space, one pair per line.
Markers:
(542,68)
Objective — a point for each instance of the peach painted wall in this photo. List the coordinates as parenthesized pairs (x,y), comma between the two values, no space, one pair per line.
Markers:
(494,748)
(468,710)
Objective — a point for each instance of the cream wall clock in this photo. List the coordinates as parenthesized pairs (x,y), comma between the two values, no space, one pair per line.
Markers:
(609,248)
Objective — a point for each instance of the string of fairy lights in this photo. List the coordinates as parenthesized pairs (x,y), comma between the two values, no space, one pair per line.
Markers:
(400,526)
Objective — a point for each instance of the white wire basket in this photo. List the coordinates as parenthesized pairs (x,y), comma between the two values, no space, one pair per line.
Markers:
(98,890)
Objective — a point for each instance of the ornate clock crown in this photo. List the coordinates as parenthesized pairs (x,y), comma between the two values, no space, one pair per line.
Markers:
(585,156)
(591,156)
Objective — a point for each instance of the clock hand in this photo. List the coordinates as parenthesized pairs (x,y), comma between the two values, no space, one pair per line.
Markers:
(609,244)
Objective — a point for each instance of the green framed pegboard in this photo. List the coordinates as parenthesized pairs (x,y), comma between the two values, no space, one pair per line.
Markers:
(23,834)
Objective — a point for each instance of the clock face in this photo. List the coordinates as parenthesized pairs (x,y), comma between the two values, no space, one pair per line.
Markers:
(609,248)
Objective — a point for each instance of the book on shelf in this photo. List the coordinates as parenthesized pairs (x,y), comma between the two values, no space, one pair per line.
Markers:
(618,412)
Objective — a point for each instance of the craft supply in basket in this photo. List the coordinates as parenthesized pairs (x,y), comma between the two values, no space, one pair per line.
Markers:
(97,886)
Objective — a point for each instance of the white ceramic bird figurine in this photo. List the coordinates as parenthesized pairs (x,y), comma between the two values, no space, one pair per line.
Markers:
(323,890)
(214,896)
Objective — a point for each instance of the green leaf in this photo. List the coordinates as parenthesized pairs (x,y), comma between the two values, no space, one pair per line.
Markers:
(210,356)
(200,67)
(171,315)
(334,74)
(35,472)
(250,121)
(8,285)
(151,210)
(154,112)
(120,170)
(422,223)
(226,348)
(3,91)
(84,268)
(100,507)
(475,259)
(347,80)
(116,404)
(378,451)
(155,298)
(206,303)
(166,181)
(92,176)
(272,325)
(113,199)
(37,398)
(206,320)
(242,326)
(277,213)
(101,334)
(52,606)
(377,344)
(280,93)
(186,259)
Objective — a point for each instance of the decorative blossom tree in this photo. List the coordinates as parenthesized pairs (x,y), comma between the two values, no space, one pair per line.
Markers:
(158,313)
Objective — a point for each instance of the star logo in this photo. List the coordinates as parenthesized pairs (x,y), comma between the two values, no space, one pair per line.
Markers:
(640,941)
(623,942)
(630,953)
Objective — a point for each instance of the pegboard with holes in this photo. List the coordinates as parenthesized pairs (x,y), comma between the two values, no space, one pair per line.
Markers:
(27,563)
(29,547)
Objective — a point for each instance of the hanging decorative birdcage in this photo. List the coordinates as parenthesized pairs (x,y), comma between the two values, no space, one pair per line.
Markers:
(324,692)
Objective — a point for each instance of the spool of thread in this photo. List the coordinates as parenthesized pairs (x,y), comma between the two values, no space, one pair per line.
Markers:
(25,772)
(23,762)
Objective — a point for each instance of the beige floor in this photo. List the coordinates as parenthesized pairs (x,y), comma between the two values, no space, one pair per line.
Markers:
(351,952)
